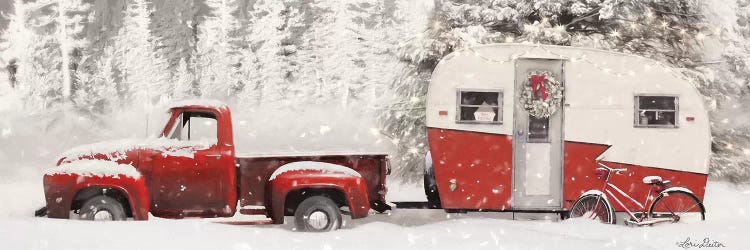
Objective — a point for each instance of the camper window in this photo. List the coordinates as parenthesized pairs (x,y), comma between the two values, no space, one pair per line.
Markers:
(479,106)
(656,111)
(538,130)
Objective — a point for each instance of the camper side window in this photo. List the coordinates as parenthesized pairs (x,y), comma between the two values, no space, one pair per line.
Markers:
(480,107)
(656,111)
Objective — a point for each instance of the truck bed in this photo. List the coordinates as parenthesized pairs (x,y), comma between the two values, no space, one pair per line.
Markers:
(254,172)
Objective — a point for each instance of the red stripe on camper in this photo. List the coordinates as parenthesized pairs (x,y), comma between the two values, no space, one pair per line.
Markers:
(481,166)
(580,162)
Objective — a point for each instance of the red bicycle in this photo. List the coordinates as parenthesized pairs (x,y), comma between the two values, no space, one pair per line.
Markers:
(672,204)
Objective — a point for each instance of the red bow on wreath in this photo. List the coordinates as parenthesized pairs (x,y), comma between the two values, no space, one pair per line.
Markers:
(537,84)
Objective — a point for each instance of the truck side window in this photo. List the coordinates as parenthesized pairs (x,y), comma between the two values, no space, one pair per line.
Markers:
(480,107)
(195,126)
(656,111)
(176,130)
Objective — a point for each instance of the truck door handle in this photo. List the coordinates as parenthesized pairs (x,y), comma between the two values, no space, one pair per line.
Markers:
(215,156)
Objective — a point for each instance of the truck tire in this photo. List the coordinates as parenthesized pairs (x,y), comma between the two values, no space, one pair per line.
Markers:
(317,214)
(102,208)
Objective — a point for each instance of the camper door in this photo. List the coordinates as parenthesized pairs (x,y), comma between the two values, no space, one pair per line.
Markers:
(537,141)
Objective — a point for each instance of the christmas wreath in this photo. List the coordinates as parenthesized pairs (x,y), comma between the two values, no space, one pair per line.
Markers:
(542,94)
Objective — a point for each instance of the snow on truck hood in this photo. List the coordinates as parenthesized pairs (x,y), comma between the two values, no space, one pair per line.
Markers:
(117,149)
(90,168)
(313,165)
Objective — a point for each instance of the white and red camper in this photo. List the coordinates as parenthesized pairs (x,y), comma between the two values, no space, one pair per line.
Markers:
(489,152)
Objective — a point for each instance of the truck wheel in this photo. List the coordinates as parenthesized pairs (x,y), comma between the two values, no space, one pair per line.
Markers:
(102,208)
(317,214)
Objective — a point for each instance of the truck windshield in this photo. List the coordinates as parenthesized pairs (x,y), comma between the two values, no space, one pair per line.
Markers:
(156,122)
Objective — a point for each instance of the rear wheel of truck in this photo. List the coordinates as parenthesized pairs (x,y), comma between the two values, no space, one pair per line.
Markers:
(317,214)
(102,208)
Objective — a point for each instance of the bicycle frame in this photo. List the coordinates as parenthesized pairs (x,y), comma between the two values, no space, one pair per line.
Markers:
(607,188)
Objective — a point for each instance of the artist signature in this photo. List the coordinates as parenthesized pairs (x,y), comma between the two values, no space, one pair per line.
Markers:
(706,243)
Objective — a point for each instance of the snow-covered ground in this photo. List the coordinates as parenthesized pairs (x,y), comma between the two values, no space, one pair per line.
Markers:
(727,222)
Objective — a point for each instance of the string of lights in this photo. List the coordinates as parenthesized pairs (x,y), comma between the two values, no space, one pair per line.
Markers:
(648,65)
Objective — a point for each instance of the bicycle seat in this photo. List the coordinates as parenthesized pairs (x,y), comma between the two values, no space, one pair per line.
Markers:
(654,180)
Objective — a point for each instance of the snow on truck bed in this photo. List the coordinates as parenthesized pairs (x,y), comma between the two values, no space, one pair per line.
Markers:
(92,168)
(312,165)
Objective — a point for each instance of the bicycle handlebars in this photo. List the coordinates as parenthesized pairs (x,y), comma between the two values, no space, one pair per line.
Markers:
(615,170)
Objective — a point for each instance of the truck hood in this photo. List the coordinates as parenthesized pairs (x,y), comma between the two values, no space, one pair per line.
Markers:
(126,151)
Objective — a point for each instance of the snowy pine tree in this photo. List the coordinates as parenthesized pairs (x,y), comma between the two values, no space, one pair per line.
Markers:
(184,81)
(340,46)
(95,90)
(172,26)
(221,45)
(72,17)
(18,42)
(267,23)
(725,75)
(144,76)
(41,69)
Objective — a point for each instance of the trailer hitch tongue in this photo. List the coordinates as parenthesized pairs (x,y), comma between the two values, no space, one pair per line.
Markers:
(41,212)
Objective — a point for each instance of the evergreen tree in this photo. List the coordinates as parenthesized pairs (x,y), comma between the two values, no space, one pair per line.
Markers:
(267,23)
(725,75)
(221,42)
(40,68)
(183,81)
(18,42)
(144,74)
(173,27)
(327,52)
(72,16)
(95,90)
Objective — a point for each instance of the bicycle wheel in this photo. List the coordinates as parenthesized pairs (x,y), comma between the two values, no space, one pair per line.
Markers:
(594,207)
(678,205)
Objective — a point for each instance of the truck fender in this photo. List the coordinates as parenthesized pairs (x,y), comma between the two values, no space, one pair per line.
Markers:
(347,188)
(60,196)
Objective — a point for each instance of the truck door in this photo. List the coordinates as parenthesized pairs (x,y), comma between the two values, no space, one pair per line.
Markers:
(189,175)
(537,144)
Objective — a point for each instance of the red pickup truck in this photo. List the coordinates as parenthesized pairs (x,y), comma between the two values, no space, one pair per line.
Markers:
(190,170)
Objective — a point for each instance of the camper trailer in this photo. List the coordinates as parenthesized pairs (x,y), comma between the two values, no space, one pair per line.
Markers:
(523,127)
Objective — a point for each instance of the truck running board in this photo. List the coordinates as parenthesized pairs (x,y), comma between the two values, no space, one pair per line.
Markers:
(41,212)
(414,205)
(253,211)
(246,223)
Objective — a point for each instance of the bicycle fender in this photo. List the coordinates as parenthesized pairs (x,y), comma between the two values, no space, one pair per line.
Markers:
(596,192)
(677,189)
